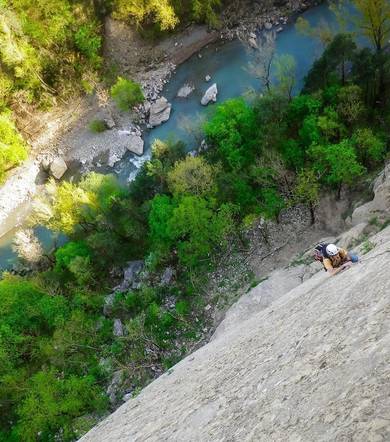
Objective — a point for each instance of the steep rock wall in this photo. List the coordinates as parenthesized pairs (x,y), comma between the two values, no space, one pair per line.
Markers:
(312,366)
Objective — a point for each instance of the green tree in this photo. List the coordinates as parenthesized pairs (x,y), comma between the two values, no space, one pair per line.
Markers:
(164,156)
(28,317)
(126,94)
(351,106)
(285,73)
(148,11)
(374,20)
(53,404)
(336,164)
(191,225)
(370,148)
(205,11)
(331,67)
(306,191)
(232,130)
(192,176)
(88,42)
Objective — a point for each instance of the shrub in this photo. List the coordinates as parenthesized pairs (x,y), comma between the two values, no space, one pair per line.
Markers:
(13,149)
(97,126)
(126,94)
(370,149)
(88,42)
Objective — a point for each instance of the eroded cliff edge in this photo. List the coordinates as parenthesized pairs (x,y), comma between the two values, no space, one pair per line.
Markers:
(312,365)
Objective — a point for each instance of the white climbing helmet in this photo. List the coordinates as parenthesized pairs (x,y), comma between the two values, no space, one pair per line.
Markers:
(332,250)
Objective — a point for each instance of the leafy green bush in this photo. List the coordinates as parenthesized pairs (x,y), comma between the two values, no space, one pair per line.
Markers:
(370,149)
(88,42)
(126,93)
(97,126)
(13,149)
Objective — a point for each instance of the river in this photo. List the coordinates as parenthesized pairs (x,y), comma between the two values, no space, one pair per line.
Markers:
(227,64)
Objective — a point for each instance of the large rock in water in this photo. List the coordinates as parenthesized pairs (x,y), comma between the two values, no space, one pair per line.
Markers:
(210,95)
(312,366)
(58,167)
(136,144)
(160,112)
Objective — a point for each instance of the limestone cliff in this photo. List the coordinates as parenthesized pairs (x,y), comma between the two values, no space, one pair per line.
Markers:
(308,359)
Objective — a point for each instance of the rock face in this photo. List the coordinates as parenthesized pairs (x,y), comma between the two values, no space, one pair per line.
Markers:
(380,205)
(210,95)
(311,366)
(58,167)
(185,90)
(160,112)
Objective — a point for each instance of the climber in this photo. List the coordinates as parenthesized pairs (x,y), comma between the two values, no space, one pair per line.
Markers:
(336,259)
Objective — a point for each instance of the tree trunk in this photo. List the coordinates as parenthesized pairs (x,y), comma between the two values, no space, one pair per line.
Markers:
(339,191)
(312,214)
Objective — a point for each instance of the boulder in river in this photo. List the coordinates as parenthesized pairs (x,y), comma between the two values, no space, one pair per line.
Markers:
(210,95)
(58,167)
(185,90)
(136,144)
(160,112)
(253,43)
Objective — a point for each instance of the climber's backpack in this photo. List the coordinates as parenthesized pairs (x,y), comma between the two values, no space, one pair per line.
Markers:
(320,252)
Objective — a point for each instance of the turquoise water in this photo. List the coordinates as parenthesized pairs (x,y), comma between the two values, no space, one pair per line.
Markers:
(227,64)
(47,238)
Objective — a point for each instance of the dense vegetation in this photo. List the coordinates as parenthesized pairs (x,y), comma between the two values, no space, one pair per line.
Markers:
(166,14)
(57,348)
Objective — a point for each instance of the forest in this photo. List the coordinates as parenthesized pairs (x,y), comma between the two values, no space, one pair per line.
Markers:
(267,153)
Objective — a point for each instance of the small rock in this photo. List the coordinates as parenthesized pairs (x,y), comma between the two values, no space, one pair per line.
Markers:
(252,35)
(199,55)
(146,106)
(45,163)
(268,26)
(118,328)
(130,274)
(203,146)
(58,167)
(109,122)
(280,29)
(114,387)
(210,95)
(123,132)
(253,43)
(108,303)
(167,276)
(207,77)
